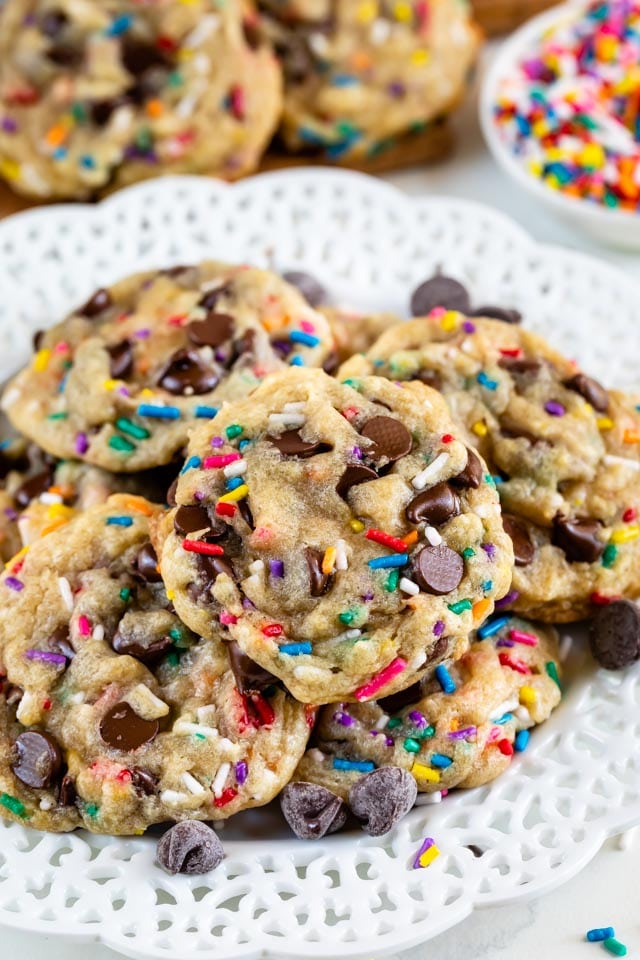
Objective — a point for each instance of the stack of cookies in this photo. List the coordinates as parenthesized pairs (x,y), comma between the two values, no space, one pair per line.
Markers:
(97,95)
(238,569)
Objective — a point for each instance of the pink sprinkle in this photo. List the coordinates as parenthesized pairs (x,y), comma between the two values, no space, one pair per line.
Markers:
(307,326)
(238,102)
(437,313)
(385,676)
(84,627)
(220,460)
(61,347)
(521,637)
(227,618)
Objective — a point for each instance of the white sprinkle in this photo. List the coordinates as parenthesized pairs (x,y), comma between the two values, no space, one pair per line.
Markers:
(205,714)
(507,707)
(317,756)
(66,593)
(318,43)
(565,647)
(382,721)
(408,586)
(432,536)
(626,839)
(193,786)
(27,703)
(221,779)
(257,566)
(430,472)
(418,660)
(9,398)
(485,510)
(380,31)
(342,562)
(236,469)
(612,461)
(184,728)
(206,26)
(426,799)
(98,632)
(294,407)
(46,803)
(173,796)
(76,698)
(50,498)
(201,63)
(293,419)
(352,634)
(523,715)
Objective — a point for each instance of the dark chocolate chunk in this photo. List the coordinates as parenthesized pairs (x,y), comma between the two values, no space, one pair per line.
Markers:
(102,110)
(614,634)
(291,444)
(319,582)
(440,291)
(404,698)
(438,570)
(145,783)
(38,759)
(245,512)
(331,363)
(186,373)
(121,360)
(250,676)
(214,330)
(96,304)
(506,314)
(32,488)
(353,476)
(523,548)
(520,365)
(171,493)
(313,291)
(68,794)
(209,299)
(472,474)
(146,564)
(209,569)
(592,391)
(435,506)
(138,56)
(122,728)
(190,847)
(131,639)
(312,811)
(578,537)
(383,797)
(191,519)
(391,439)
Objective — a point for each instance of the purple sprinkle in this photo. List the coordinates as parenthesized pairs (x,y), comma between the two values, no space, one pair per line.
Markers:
(511,597)
(463,734)
(276,568)
(368,597)
(123,391)
(397,90)
(426,845)
(242,772)
(489,549)
(10,513)
(82,443)
(56,658)
(9,125)
(438,628)
(554,408)
(418,718)
(14,584)
(343,719)
(374,733)
(469,327)
(505,643)
(143,333)
(283,347)
(217,442)
(390,742)
(220,356)
(199,495)
(248,604)
(357,453)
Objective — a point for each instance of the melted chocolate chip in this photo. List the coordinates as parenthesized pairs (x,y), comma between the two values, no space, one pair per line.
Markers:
(440,291)
(291,444)
(250,676)
(209,569)
(578,538)
(209,299)
(120,360)
(438,570)
(214,330)
(319,582)
(391,439)
(331,363)
(520,365)
(190,847)
(186,373)
(138,56)
(146,564)
(404,698)
(592,391)
(614,634)
(245,512)
(96,304)
(32,488)
(523,548)
(38,759)
(352,477)
(472,474)
(191,519)
(134,643)
(435,506)
(383,797)
(244,345)
(122,728)
(145,783)
(312,811)
(102,110)
(171,493)
(505,314)
(68,793)
(313,291)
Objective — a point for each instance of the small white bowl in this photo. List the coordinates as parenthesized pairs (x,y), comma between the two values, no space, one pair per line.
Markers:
(618,228)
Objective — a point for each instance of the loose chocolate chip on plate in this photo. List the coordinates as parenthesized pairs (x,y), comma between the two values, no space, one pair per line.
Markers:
(146,564)
(291,444)
(438,570)
(391,439)
(214,330)
(122,728)
(96,304)
(505,314)
(144,782)
(472,474)
(436,506)
(312,811)
(186,373)
(250,676)
(38,759)
(578,538)
(614,634)
(523,548)
(32,488)
(352,477)
(68,794)
(383,797)
(319,582)
(440,291)
(121,360)
(190,847)
(313,291)
(592,391)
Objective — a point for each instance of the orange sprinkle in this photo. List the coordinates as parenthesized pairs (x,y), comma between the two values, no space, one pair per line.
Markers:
(139,504)
(410,538)
(631,436)
(154,108)
(56,135)
(54,526)
(481,609)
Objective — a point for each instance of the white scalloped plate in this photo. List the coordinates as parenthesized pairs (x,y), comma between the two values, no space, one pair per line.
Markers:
(348,895)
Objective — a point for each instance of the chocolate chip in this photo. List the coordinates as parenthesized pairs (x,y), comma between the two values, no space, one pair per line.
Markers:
(214,330)
(244,345)
(436,506)
(614,634)
(438,570)
(186,373)
(245,512)
(138,56)
(391,439)
(102,110)
(145,564)
(440,291)
(191,519)
(520,365)
(96,304)
(209,299)
(592,391)
(38,759)
(37,339)
(209,569)
(404,698)
(121,360)
(523,548)
(383,797)
(171,493)
(429,377)
(331,363)
(32,488)
(131,640)
(505,314)
(144,782)
(122,728)
(319,582)
(312,811)
(190,847)
(313,291)
(65,55)
(352,477)
(59,642)
(250,676)
(291,444)
(578,538)
(68,793)
(472,474)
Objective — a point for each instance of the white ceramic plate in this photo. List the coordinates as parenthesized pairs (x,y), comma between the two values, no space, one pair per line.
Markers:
(348,895)
(615,227)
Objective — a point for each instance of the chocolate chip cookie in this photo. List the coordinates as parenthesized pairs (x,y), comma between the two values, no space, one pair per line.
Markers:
(342,535)
(98,95)
(121,381)
(114,715)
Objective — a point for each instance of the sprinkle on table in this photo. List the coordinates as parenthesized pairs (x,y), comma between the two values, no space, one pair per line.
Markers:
(598,934)
(427,853)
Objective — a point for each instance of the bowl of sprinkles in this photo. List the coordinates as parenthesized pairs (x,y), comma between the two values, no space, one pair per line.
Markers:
(560,111)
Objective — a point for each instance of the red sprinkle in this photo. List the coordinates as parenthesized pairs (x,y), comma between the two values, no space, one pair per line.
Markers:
(177,320)
(506,747)
(264,710)
(273,630)
(124,776)
(601,599)
(510,352)
(225,509)
(166,43)
(516,665)
(394,543)
(447,438)
(225,797)
(199,546)
(220,460)
(46,704)
(629,515)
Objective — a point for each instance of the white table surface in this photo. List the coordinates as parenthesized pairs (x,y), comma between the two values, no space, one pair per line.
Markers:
(606,893)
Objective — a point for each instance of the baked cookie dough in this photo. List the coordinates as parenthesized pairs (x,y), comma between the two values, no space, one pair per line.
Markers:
(355,332)
(457,731)
(113,715)
(120,382)
(564,451)
(96,95)
(344,538)
(357,76)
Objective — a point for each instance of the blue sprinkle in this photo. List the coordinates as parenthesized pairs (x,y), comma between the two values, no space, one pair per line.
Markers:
(497,479)
(119,522)
(439,760)
(87,161)
(395,560)
(307,339)
(60,153)
(344,80)
(487,586)
(160,413)
(234,482)
(484,381)
(445,679)
(378,363)
(505,718)
(519,744)
(598,933)
(119,26)
(192,464)
(62,386)
(244,444)
(362,766)
(295,649)
(206,413)
(492,627)
(307,135)
(296,362)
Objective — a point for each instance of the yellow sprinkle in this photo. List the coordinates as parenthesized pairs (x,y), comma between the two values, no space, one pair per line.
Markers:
(329,560)
(419,58)
(592,155)
(480,428)
(367,11)
(146,393)
(58,510)
(449,321)
(403,11)
(427,858)
(17,557)
(356,525)
(9,169)
(234,495)
(528,696)
(41,360)
(55,525)
(110,384)
(421,772)
(604,423)
(171,594)
(625,534)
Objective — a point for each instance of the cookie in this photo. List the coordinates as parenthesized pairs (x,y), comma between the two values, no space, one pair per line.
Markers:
(120,382)
(564,451)
(344,538)
(114,716)
(459,729)
(355,332)
(357,77)
(101,95)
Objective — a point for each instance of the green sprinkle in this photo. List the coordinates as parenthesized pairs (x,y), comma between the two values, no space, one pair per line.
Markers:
(175,634)
(234,431)
(488,478)
(391,583)
(14,805)
(460,606)
(394,723)
(144,139)
(424,734)
(609,556)
(199,736)
(133,429)
(615,947)
(125,594)
(121,445)
(468,552)
(347,617)
(173,659)
(354,384)
(57,416)
(175,79)
(91,810)
(79,112)
(552,671)
(411,745)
